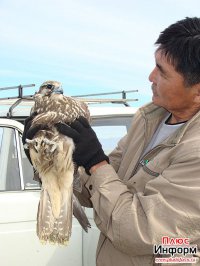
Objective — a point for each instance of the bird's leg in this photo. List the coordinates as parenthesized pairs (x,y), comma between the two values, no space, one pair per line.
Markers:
(34,143)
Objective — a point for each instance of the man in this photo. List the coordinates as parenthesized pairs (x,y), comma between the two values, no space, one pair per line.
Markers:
(147,192)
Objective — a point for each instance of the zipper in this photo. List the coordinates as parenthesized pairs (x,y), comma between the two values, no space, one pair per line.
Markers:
(148,171)
(147,157)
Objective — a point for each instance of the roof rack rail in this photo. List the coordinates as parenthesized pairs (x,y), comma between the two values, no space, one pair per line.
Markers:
(123,100)
(26,98)
(20,91)
(19,98)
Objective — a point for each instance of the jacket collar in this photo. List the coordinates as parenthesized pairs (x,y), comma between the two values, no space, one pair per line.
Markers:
(154,115)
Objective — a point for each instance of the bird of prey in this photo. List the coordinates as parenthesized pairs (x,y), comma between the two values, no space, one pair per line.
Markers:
(51,156)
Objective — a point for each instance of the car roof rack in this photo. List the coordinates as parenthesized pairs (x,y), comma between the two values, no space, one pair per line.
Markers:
(123,100)
(19,98)
(26,99)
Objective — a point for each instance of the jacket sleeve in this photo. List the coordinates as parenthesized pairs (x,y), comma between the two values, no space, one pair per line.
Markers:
(115,159)
(116,155)
(168,206)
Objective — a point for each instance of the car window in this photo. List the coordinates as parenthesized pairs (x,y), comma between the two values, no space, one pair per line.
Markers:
(27,169)
(109,136)
(9,165)
(12,160)
(110,130)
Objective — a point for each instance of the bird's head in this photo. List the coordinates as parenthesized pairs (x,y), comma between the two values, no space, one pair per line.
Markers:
(50,87)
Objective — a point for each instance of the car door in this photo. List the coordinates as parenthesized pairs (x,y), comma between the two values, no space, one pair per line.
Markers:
(109,130)
(19,197)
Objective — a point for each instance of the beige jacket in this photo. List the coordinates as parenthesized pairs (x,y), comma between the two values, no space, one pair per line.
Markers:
(137,201)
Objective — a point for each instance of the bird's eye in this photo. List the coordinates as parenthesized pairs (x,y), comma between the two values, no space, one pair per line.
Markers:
(49,86)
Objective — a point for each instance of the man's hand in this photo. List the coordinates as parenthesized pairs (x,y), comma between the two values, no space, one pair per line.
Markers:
(88,150)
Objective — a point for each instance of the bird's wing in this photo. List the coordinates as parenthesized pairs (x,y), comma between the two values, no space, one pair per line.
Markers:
(80,214)
(77,185)
(58,108)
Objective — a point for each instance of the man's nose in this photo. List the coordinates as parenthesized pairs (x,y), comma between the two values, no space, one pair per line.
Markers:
(152,76)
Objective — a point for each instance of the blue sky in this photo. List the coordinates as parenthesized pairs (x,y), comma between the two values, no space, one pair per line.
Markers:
(90,46)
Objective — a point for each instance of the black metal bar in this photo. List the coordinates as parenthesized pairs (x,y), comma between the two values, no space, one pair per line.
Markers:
(123,94)
(20,92)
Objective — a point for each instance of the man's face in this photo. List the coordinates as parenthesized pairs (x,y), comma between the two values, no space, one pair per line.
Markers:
(169,90)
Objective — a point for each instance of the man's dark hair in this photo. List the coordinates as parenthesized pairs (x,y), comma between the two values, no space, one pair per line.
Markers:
(180,43)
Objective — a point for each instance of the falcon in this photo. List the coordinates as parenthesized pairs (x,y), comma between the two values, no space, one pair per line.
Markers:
(51,156)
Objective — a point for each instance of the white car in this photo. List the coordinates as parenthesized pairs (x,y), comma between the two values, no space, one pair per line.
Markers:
(19,194)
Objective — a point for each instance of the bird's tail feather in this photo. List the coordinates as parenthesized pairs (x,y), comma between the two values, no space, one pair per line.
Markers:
(44,226)
(49,228)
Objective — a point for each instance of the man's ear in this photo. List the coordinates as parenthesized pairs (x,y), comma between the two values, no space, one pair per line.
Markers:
(197,94)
